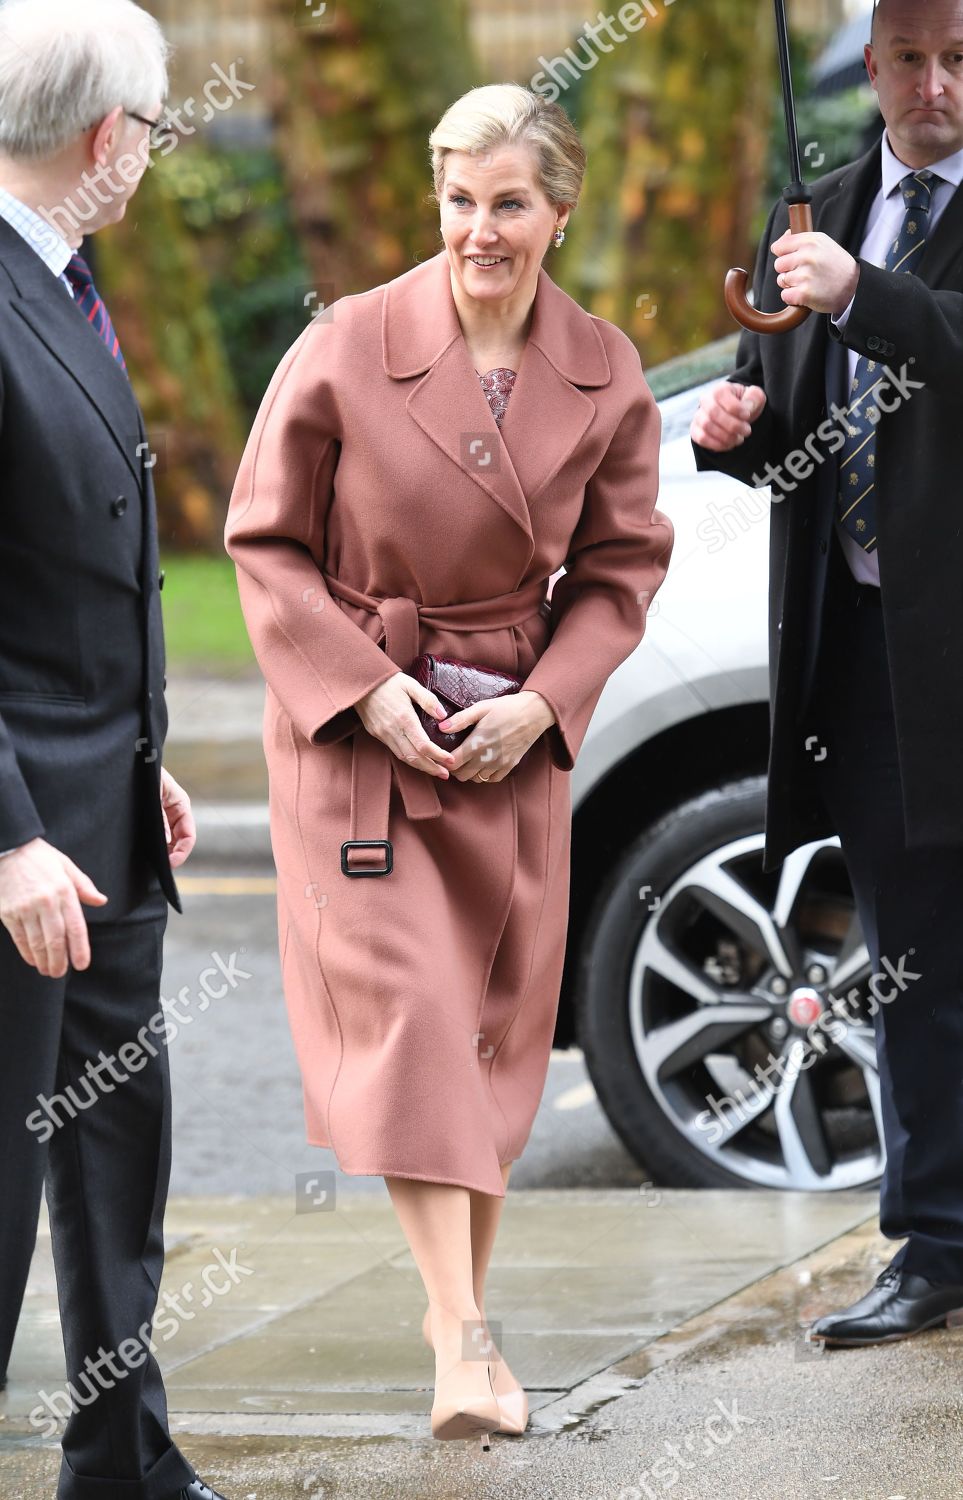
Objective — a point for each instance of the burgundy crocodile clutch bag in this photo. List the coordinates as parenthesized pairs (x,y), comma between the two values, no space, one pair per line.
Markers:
(458,684)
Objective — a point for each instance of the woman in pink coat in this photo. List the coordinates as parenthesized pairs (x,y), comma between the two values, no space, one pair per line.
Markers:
(428,454)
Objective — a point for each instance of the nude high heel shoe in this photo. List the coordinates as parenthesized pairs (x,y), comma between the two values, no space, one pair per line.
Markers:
(511,1397)
(463,1413)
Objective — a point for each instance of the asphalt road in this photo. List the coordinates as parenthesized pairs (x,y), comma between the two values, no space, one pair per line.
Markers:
(238,1122)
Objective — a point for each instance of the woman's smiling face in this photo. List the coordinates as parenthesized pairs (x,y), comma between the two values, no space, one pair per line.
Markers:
(496,221)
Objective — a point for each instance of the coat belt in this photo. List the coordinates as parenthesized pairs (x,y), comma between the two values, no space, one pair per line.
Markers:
(372,764)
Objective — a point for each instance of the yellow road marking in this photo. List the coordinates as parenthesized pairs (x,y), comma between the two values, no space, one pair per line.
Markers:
(240,885)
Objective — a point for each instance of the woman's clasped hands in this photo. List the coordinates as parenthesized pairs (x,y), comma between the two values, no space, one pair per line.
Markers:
(503,729)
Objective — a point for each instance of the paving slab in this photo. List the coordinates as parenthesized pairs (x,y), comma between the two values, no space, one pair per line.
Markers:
(296,1360)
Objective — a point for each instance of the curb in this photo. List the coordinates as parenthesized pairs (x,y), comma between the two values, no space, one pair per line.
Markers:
(233,832)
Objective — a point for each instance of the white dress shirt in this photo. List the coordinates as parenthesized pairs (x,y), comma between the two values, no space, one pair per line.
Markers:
(882,227)
(48,242)
(53,251)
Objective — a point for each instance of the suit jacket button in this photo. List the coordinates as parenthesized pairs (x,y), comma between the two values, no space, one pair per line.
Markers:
(160,579)
(822,548)
(118,506)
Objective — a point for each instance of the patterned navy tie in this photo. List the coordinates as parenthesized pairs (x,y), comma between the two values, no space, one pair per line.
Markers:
(88,299)
(857,466)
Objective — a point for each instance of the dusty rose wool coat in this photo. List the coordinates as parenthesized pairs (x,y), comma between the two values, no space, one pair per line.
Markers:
(379,511)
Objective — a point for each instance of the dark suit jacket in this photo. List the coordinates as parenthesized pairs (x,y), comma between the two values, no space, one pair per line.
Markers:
(82,711)
(914,325)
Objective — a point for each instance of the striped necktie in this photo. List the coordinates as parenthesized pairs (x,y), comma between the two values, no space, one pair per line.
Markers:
(857,467)
(90,303)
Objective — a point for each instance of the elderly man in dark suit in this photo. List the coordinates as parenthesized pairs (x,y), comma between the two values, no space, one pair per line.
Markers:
(854,418)
(88,817)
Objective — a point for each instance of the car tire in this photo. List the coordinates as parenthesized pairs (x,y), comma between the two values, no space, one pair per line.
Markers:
(652,864)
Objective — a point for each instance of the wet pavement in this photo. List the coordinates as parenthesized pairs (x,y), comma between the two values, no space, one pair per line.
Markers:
(659,1335)
(213,742)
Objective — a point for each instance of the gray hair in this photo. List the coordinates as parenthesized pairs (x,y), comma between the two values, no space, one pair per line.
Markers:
(65,64)
(507,114)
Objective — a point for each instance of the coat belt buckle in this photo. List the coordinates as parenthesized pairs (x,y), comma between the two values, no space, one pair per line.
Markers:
(367,844)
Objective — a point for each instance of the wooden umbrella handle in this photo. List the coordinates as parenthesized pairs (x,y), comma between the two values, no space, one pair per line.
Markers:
(800,221)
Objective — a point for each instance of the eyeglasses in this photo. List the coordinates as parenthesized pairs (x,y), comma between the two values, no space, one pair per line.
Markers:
(161,131)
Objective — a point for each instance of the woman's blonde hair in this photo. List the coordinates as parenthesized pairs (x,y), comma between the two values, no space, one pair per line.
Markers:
(507,114)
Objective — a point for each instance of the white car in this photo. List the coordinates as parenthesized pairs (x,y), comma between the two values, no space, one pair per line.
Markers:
(692,978)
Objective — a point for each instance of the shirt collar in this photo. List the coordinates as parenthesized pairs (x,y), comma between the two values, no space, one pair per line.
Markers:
(48,243)
(950,168)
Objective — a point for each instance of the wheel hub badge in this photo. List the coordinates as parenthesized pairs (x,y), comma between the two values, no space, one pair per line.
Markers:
(805,1007)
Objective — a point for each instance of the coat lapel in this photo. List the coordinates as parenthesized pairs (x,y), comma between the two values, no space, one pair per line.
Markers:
(845,213)
(945,245)
(547,414)
(842,214)
(46,307)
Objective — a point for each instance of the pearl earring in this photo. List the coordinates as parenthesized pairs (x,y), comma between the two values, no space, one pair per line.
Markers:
(558,237)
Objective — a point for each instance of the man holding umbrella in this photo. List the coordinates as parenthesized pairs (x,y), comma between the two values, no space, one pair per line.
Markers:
(854,417)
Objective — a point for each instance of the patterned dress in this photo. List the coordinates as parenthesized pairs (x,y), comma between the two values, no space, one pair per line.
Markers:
(497,385)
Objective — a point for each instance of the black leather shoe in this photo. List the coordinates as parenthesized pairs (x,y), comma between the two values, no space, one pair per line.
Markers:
(197,1490)
(899,1305)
